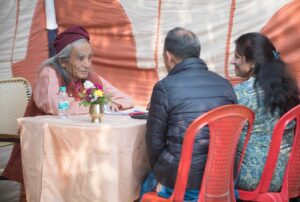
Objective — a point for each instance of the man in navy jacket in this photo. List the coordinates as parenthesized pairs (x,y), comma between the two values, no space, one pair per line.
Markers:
(188,91)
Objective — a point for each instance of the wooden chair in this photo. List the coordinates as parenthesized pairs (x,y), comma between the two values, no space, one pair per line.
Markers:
(291,180)
(225,124)
(14,95)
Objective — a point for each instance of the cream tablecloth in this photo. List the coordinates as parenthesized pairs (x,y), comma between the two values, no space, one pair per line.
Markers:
(76,160)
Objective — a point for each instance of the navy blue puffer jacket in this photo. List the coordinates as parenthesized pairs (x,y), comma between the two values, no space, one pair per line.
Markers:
(188,91)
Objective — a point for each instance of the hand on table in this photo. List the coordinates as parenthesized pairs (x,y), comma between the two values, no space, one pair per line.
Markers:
(114,107)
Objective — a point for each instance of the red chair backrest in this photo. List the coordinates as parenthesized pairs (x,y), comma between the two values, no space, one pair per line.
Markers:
(225,125)
(291,181)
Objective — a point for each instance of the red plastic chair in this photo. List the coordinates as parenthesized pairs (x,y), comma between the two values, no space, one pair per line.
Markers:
(225,124)
(291,180)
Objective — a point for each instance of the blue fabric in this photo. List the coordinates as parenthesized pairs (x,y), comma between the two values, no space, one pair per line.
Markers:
(150,183)
(190,195)
(236,194)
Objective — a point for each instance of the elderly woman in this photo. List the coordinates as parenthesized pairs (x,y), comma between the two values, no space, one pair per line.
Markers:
(70,67)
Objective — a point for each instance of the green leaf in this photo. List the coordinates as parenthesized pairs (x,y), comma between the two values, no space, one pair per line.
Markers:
(84,103)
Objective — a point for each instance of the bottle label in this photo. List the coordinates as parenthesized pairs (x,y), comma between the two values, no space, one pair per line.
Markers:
(63,105)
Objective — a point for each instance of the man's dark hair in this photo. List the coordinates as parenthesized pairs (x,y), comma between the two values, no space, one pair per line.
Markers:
(182,43)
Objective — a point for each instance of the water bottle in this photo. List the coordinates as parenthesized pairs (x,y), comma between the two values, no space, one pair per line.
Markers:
(63,104)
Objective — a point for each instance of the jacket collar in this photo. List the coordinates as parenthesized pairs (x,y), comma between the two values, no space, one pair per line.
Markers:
(188,63)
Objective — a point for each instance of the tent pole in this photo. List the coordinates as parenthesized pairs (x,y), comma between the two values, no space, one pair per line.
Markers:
(51,25)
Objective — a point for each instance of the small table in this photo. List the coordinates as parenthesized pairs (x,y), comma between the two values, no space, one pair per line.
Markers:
(76,160)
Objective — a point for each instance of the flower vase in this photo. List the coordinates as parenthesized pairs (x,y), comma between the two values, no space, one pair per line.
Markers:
(96,112)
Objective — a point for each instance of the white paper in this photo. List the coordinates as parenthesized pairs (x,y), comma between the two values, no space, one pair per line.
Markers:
(124,112)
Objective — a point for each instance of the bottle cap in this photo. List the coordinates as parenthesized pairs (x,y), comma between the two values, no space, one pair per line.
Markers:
(62,89)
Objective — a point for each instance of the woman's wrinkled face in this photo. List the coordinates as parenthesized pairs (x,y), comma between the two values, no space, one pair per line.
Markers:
(241,66)
(80,61)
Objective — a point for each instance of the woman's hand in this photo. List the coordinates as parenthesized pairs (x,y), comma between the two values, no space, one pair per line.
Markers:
(114,107)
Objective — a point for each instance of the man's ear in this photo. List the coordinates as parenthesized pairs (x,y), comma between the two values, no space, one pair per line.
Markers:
(169,57)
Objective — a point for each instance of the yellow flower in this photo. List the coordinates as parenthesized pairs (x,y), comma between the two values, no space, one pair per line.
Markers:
(98,93)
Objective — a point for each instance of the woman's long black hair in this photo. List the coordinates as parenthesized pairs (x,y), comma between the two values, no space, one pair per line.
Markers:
(280,89)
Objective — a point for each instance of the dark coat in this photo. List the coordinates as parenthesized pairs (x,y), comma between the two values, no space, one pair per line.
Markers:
(189,90)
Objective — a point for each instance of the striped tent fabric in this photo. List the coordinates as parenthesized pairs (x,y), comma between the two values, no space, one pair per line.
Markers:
(127,36)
